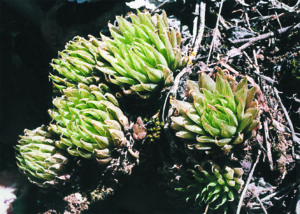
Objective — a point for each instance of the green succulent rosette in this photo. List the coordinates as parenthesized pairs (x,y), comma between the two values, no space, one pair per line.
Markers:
(76,63)
(142,54)
(89,122)
(216,189)
(220,112)
(40,160)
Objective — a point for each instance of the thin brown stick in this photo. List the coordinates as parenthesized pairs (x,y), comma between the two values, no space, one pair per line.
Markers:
(236,51)
(287,189)
(159,6)
(225,24)
(173,91)
(255,62)
(281,5)
(206,209)
(228,67)
(201,28)
(215,33)
(266,18)
(268,144)
(195,23)
(257,72)
(278,20)
(247,183)
(247,19)
(259,201)
(294,137)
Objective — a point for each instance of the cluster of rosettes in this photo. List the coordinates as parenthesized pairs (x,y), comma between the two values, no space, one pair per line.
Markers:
(87,120)
(142,55)
(220,113)
(214,188)
(40,160)
(141,58)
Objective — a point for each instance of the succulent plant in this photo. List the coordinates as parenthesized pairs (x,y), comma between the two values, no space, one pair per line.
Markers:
(76,64)
(89,121)
(215,188)
(40,160)
(220,112)
(142,54)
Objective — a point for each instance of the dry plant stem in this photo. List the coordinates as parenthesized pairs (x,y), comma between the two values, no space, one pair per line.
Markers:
(177,80)
(247,183)
(201,28)
(247,18)
(260,202)
(216,30)
(159,6)
(206,209)
(268,79)
(228,67)
(248,58)
(255,61)
(287,189)
(223,23)
(280,5)
(278,20)
(268,144)
(294,137)
(195,23)
(173,93)
(263,36)
(264,18)
(164,110)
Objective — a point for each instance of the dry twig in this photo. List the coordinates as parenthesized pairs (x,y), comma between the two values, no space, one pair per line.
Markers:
(268,144)
(201,28)
(259,201)
(215,33)
(247,183)
(257,72)
(280,5)
(237,51)
(294,137)
(159,6)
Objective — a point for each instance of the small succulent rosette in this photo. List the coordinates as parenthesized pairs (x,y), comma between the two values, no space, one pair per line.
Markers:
(215,188)
(89,122)
(220,113)
(76,64)
(40,160)
(142,55)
